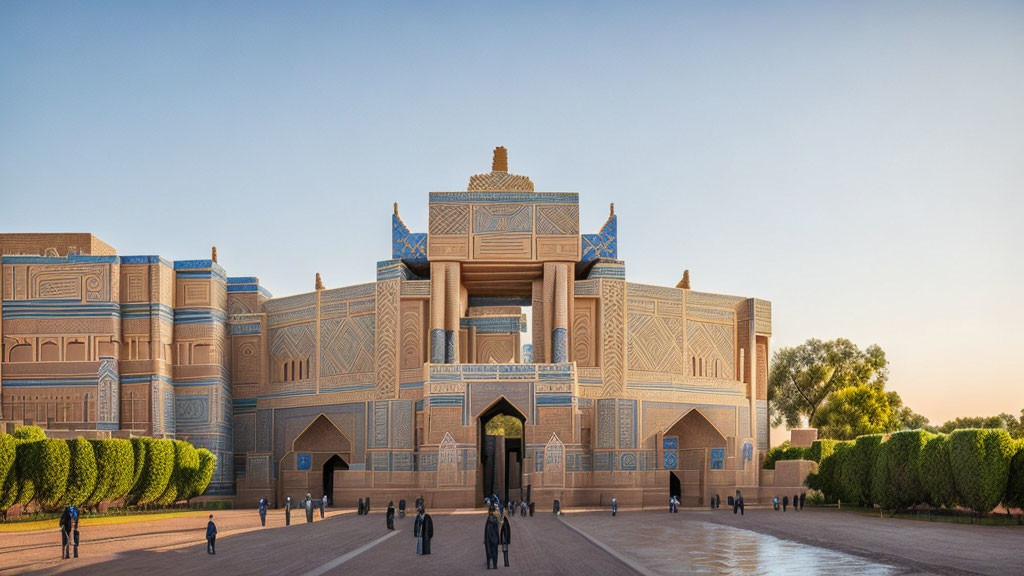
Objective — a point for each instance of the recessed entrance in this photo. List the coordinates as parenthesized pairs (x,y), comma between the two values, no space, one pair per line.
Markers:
(697,439)
(333,463)
(501,451)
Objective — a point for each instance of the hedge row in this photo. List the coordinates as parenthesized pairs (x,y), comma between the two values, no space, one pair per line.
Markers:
(976,468)
(56,473)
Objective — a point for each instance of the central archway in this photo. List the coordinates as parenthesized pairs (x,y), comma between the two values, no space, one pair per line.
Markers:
(501,431)
(333,463)
(696,439)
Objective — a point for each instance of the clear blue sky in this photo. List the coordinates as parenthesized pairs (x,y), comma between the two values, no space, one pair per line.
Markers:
(861,165)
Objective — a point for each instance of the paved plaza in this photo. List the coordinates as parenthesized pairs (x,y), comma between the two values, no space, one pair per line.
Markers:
(591,543)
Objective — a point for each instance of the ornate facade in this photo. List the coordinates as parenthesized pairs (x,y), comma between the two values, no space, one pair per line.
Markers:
(384,389)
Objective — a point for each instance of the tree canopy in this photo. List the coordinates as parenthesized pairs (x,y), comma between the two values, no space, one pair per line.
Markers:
(504,425)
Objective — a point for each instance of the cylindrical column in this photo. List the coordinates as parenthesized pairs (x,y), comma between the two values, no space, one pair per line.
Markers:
(437,297)
(560,318)
(452,313)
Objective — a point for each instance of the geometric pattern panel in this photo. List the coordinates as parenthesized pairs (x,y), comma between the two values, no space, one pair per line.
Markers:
(502,218)
(710,343)
(558,220)
(613,336)
(386,333)
(449,219)
(346,345)
(654,343)
(405,245)
(292,342)
(603,244)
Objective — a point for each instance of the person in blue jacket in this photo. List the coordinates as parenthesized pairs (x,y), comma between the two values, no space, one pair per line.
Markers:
(211,536)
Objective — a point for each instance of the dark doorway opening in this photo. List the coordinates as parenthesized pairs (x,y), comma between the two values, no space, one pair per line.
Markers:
(501,451)
(675,487)
(333,463)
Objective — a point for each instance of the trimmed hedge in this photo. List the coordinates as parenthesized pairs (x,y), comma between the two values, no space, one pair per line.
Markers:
(858,470)
(186,465)
(827,479)
(124,468)
(50,468)
(8,472)
(201,480)
(1015,482)
(29,433)
(937,472)
(783,452)
(139,448)
(980,459)
(81,472)
(156,472)
(896,481)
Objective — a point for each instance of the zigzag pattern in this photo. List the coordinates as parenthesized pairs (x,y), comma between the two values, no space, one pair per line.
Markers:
(292,342)
(502,218)
(500,181)
(386,330)
(711,342)
(653,343)
(558,220)
(449,219)
(346,345)
(613,346)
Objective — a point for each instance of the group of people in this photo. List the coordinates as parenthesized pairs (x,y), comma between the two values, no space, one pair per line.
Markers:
(798,502)
(673,504)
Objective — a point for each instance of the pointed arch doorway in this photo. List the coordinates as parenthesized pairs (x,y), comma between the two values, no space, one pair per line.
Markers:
(696,439)
(501,450)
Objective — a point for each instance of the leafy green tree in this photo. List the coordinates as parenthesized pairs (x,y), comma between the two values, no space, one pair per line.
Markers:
(52,467)
(821,448)
(1003,421)
(504,425)
(980,459)
(803,377)
(897,475)
(29,433)
(81,472)
(156,472)
(937,473)
(858,470)
(140,446)
(854,411)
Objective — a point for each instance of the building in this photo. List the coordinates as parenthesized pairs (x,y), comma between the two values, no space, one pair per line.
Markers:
(384,389)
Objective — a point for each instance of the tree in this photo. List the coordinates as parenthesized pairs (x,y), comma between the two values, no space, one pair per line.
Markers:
(937,472)
(81,472)
(124,468)
(854,411)
(186,465)
(803,377)
(1003,421)
(897,475)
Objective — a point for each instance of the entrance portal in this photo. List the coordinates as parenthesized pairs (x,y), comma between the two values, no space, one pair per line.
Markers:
(697,437)
(333,463)
(674,487)
(501,451)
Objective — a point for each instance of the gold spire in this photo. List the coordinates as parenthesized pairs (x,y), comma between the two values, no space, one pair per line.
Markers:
(319,282)
(213,256)
(685,282)
(500,163)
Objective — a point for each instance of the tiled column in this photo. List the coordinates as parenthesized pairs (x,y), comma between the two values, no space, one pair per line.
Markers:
(560,317)
(452,313)
(437,317)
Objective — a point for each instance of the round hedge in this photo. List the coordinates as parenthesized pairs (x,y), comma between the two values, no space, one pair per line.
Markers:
(201,480)
(123,458)
(8,472)
(858,470)
(29,433)
(186,465)
(105,467)
(980,460)
(139,448)
(81,472)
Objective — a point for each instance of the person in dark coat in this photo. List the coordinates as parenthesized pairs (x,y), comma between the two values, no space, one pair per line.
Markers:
(418,504)
(802,495)
(211,536)
(361,509)
(737,503)
(491,539)
(531,509)
(67,523)
(308,505)
(505,537)
(426,533)
(718,501)
(615,506)
(522,508)
(796,502)
(401,508)
(263,511)
(389,516)
(367,505)
(785,503)
(288,511)
(323,506)
(418,524)
(556,508)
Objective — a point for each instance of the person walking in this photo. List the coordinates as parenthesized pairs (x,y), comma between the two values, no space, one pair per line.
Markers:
(323,506)
(615,506)
(417,525)
(361,509)
(211,536)
(802,495)
(389,516)
(426,533)
(66,526)
(491,539)
(796,502)
(263,511)
(288,511)
(505,537)
(737,503)
(785,503)
(308,505)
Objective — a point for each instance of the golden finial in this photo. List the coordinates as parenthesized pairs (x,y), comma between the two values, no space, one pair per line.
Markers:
(685,282)
(500,163)
(396,208)
(611,209)
(319,282)
(214,255)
